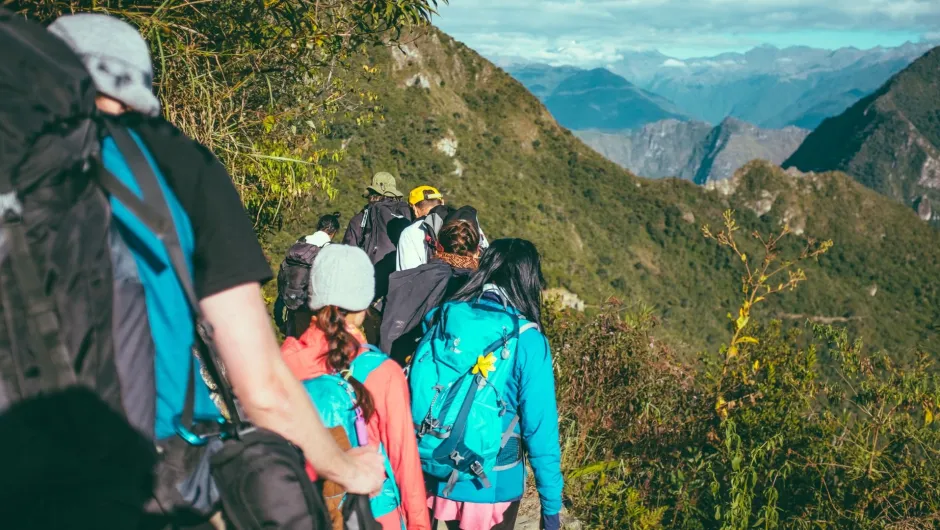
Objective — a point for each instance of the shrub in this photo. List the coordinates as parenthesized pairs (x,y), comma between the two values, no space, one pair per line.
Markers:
(794,428)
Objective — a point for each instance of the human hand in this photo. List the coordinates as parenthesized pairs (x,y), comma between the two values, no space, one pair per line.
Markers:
(364,471)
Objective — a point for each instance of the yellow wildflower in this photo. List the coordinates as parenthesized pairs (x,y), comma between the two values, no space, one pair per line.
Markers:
(485,365)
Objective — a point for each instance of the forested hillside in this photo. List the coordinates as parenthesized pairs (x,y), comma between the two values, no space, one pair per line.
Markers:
(452,119)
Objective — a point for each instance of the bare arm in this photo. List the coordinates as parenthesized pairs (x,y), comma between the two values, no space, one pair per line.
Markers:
(270,394)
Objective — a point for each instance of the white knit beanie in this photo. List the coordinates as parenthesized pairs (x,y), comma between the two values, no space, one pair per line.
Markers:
(342,275)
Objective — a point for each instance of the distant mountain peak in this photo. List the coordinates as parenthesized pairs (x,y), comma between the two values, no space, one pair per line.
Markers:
(595,77)
(601,99)
(890,140)
(731,121)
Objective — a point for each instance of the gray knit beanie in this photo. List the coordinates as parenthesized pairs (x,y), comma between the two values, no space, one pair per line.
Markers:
(115,55)
(342,275)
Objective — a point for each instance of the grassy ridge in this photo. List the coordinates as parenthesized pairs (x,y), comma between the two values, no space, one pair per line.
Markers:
(605,232)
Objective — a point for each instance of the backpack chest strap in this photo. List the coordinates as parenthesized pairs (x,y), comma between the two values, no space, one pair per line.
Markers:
(527,326)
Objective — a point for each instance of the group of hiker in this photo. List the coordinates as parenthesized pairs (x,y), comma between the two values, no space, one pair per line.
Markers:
(141,382)
(449,293)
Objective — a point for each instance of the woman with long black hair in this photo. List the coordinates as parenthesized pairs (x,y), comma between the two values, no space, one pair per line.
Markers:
(488,338)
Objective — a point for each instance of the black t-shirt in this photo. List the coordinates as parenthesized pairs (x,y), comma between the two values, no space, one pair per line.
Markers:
(227,252)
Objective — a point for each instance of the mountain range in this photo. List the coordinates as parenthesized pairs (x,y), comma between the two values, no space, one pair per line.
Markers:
(478,135)
(694,150)
(603,100)
(888,141)
(767,86)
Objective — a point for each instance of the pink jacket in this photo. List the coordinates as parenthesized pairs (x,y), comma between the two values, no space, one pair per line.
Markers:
(391,423)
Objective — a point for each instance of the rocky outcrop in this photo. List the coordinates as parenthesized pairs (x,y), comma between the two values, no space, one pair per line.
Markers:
(565,298)
(734,143)
(694,150)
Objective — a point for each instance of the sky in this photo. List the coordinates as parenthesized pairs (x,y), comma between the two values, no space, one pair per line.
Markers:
(597,32)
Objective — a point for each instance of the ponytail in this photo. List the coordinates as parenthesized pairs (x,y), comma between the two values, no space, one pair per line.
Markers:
(329,223)
(343,348)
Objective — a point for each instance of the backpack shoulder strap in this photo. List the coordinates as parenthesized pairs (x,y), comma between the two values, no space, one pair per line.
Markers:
(154,212)
(527,326)
(366,362)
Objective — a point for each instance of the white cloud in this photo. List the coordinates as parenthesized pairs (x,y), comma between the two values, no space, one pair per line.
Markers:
(673,63)
(594,32)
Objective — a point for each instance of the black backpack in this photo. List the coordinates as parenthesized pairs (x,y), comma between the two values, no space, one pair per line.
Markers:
(379,239)
(60,385)
(432,225)
(293,277)
(75,349)
(411,295)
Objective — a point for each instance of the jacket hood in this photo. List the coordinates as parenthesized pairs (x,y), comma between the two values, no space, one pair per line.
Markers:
(306,356)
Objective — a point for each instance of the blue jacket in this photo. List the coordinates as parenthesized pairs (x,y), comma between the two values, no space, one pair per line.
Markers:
(531,393)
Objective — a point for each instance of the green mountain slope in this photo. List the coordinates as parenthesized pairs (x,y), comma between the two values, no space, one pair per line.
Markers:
(484,140)
(889,141)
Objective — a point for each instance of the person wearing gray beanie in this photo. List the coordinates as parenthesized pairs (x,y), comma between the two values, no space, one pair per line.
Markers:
(115,55)
(342,285)
(342,276)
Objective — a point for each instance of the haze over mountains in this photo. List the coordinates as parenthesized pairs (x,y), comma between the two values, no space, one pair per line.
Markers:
(601,99)
(651,113)
(767,86)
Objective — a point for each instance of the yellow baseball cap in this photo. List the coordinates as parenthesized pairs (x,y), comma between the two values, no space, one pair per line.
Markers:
(423,193)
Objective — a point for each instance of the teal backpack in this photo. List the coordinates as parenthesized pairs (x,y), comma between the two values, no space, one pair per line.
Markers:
(458,377)
(333,398)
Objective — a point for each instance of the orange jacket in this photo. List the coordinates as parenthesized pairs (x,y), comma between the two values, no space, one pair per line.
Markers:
(391,423)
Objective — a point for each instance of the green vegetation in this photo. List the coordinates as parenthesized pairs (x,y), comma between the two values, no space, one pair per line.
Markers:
(770,435)
(605,232)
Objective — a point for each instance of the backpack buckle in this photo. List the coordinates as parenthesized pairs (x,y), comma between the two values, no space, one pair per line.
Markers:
(200,439)
(477,468)
(457,458)
(428,425)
